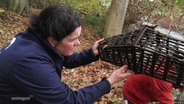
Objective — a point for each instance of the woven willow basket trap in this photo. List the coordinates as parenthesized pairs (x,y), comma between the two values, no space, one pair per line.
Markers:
(148,52)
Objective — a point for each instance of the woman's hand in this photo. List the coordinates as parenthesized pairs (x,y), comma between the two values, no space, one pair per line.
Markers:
(95,46)
(120,74)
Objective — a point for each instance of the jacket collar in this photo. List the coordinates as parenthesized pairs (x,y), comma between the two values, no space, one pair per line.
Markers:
(45,44)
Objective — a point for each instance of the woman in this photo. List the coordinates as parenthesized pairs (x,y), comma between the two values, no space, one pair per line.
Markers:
(31,65)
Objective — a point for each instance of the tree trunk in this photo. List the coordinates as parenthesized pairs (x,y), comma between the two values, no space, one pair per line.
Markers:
(19,6)
(115,18)
(37,4)
(47,3)
(3,3)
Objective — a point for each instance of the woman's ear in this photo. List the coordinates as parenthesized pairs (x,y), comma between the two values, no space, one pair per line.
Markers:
(52,41)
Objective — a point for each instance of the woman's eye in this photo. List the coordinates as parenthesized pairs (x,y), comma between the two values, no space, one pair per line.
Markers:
(72,40)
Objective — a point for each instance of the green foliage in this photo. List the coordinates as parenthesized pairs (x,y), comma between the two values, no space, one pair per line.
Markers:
(97,22)
(158,8)
(174,93)
(87,7)
(114,100)
(140,8)
(2,10)
(93,11)
(174,4)
(174,9)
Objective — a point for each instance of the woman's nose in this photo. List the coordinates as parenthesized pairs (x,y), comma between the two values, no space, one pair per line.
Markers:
(77,42)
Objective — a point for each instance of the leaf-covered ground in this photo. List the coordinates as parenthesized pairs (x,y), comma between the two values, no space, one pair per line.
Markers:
(11,23)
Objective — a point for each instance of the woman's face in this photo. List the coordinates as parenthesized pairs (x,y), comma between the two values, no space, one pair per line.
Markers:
(66,46)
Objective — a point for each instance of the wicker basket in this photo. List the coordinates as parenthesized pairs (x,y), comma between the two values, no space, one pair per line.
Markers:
(148,52)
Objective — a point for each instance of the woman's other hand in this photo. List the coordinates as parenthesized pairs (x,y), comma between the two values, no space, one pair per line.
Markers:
(120,74)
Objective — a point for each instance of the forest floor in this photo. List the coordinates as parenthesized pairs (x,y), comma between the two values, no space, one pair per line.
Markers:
(11,24)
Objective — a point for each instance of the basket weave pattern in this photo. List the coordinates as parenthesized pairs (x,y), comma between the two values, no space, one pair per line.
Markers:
(148,52)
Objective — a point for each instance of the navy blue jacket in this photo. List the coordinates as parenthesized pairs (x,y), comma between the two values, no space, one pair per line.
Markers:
(30,73)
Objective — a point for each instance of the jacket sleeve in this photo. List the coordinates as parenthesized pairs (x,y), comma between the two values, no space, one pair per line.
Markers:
(37,77)
(82,58)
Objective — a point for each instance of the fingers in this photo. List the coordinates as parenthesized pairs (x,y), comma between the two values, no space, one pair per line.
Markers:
(95,50)
(128,73)
(125,71)
(99,41)
(124,68)
(120,74)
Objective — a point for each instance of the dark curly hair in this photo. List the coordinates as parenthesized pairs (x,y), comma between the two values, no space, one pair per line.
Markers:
(56,21)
